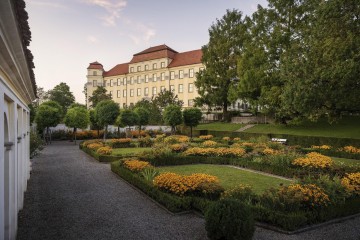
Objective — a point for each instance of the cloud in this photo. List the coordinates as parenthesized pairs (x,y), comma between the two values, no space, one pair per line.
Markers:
(112,7)
(139,32)
(92,39)
(46,4)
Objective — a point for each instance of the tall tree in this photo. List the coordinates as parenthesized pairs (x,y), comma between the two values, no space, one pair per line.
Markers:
(143,117)
(172,116)
(77,117)
(128,117)
(94,122)
(106,113)
(192,118)
(61,94)
(155,117)
(220,59)
(48,114)
(166,98)
(98,95)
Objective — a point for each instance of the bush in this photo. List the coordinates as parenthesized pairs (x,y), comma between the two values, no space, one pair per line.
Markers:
(242,192)
(104,150)
(145,142)
(352,183)
(120,143)
(36,144)
(136,165)
(229,219)
(314,160)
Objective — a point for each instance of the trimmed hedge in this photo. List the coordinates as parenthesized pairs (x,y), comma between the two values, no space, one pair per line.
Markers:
(333,153)
(304,141)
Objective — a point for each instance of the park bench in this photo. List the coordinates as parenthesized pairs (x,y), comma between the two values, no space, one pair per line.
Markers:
(279,140)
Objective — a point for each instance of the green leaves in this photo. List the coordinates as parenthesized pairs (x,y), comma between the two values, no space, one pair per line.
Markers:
(99,95)
(77,117)
(106,112)
(48,114)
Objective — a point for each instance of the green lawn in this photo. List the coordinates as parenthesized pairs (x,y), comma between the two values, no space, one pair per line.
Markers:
(346,162)
(219,126)
(348,127)
(229,177)
(127,151)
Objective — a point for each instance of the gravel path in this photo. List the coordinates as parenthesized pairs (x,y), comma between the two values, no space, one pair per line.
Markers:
(72,196)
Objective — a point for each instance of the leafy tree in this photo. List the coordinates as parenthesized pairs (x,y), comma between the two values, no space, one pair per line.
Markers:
(220,59)
(155,117)
(192,118)
(61,94)
(128,117)
(166,98)
(94,122)
(32,113)
(77,105)
(99,95)
(143,117)
(106,113)
(49,114)
(77,117)
(119,124)
(173,116)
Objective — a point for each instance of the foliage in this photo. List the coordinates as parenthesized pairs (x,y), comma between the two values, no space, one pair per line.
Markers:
(36,144)
(178,147)
(94,121)
(155,118)
(172,116)
(229,219)
(220,59)
(49,114)
(62,95)
(350,149)
(77,117)
(104,150)
(149,173)
(143,116)
(206,137)
(241,192)
(128,117)
(219,152)
(32,112)
(166,98)
(136,165)
(192,117)
(95,146)
(99,95)
(176,139)
(209,143)
(352,183)
(120,143)
(106,113)
(314,160)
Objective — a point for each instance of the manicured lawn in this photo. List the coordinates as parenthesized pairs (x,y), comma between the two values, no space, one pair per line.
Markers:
(348,127)
(229,177)
(128,151)
(346,161)
(219,126)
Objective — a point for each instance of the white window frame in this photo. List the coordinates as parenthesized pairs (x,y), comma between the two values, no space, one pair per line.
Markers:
(146,78)
(181,88)
(191,87)
(154,77)
(138,92)
(124,92)
(191,72)
(131,92)
(146,91)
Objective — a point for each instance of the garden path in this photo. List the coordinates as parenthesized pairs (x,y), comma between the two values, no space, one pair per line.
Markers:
(72,196)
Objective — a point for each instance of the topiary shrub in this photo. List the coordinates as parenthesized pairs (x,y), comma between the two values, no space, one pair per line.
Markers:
(229,219)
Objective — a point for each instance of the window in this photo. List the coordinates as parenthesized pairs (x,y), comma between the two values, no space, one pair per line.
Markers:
(124,92)
(162,88)
(181,88)
(139,68)
(138,80)
(124,81)
(131,80)
(118,93)
(139,91)
(172,75)
(162,76)
(132,69)
(154,66)
(154,77)
(146,78)
(191,72)
(94,73)
(146,91)
(190,102)
(191,87)
(162,64)
(154,91)
(94,83)
(111,83)
(131,92)
(172,88)
(118,81)
(181,74)
(146,67)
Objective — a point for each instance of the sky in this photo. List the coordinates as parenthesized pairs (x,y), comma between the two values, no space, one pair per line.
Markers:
(69,34)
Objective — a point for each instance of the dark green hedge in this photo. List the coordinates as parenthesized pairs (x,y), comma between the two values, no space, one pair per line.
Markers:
(333,153)
(304,141)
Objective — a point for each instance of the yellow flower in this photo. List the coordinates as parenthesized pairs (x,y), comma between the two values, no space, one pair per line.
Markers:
(136,165)
(206,137)
(314,160)
(351,182)
(104,150)
(209,143)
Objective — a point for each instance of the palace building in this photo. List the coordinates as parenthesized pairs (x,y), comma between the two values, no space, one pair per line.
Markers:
(17,90)
(149,72)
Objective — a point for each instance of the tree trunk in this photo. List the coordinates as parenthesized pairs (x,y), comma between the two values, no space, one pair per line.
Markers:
(75,134)
(190,132)
(139,131)
(119,131)
(106,126)
(225,112)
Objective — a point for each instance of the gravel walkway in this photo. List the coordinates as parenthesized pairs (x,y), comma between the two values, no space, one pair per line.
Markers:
(72,196)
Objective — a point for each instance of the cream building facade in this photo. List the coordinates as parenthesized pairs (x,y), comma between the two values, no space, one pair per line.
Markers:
(149,72)
(17,90)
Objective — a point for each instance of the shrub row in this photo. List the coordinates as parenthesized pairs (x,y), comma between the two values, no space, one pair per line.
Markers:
(304,141)
(333,153)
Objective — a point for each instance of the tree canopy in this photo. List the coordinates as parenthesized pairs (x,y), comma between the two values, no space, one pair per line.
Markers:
(48,114)
(142,117)
(106,113)
(98,95)
(61,94)
(192,118)
(166,98)
(173,116)
(128,117)
(77,117)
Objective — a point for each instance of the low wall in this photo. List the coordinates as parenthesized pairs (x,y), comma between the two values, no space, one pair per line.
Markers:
(251,119)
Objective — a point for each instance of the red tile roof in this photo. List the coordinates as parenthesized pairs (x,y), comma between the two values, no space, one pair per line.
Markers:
(161,51)
(95,65)
(186,58)
(119,69)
